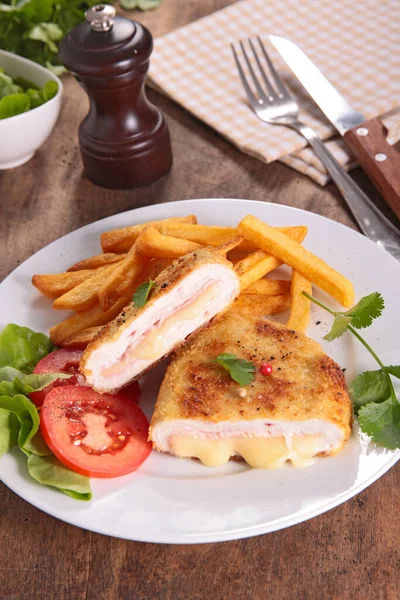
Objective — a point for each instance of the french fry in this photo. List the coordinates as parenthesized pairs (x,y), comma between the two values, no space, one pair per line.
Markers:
(95,316)
(120,279)
(211,235)
(248,270)
(206,235)
(55,285)
(300,309)
(223,249)
(121,240)
(87,318)
(269,287)
(79,340)
(293,254)
(99,260)
(84,295)
(259,263)
(260,305)
(153,244)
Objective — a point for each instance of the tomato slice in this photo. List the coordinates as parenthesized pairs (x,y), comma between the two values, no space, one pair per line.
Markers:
(58,361)
(130,392)
(99,435)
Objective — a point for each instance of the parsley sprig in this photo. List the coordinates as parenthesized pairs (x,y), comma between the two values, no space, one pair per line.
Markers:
(372,392)
(142,294)
(240,370)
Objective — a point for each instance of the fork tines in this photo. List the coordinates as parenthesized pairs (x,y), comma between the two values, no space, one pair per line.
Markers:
(268,93)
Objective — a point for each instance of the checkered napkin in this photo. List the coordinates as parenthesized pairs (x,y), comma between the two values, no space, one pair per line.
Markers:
(355,43)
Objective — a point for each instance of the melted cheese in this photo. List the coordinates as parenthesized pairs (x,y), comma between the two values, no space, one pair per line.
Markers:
(258,452)
(153,344)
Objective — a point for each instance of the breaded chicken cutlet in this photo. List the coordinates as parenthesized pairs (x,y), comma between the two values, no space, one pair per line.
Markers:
(301,410)
(186,296)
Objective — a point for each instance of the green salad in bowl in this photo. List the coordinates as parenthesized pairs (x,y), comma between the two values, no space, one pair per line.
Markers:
(19,95)
(30,102)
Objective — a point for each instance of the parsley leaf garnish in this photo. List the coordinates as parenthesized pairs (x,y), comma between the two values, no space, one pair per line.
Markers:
(339,326)
(142,294)
(372,392)
(240,370)
(370,386)
(382,422)
(366,310)
(393,370)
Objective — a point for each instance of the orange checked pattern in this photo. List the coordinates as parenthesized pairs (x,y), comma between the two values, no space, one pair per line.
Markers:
(355,44)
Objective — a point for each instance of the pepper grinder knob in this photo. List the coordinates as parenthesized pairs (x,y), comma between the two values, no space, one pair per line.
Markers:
(124,139)
(101,17)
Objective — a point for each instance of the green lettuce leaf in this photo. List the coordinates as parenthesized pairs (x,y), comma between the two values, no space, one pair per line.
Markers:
(48,470)
(37,445)
(22,348)
(19,423)
(13,381)
(49,90)
(16,99)
(25,84)
(9,427)
(8,86)
(27,415)
(14,104)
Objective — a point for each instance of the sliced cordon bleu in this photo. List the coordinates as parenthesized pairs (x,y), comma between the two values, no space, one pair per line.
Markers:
(186,296)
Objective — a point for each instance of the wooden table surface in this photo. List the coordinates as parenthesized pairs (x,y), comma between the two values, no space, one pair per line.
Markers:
(350,552)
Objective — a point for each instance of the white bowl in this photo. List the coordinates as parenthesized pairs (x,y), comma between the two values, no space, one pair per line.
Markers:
(22,135)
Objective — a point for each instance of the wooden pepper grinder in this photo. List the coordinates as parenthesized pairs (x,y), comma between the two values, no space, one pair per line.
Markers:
(124,139)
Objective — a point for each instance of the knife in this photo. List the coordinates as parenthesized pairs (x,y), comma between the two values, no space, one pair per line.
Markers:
(365,138)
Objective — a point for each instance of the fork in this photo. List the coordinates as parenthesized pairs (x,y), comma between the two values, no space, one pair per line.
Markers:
(273,103)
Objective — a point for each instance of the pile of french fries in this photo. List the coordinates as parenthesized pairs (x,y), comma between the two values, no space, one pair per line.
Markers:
(99,287)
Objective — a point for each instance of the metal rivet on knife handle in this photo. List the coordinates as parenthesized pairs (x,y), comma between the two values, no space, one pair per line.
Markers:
(380,157)
(362,131)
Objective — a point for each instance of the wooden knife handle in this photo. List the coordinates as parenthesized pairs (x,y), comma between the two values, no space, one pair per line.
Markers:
(378,158)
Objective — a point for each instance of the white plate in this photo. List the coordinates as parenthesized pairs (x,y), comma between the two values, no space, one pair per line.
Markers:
(181,501)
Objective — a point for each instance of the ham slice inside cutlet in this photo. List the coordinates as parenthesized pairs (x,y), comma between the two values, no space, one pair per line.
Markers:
(186,296)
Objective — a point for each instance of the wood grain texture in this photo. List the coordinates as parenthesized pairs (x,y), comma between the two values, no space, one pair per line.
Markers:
(378,158)
(348,553)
